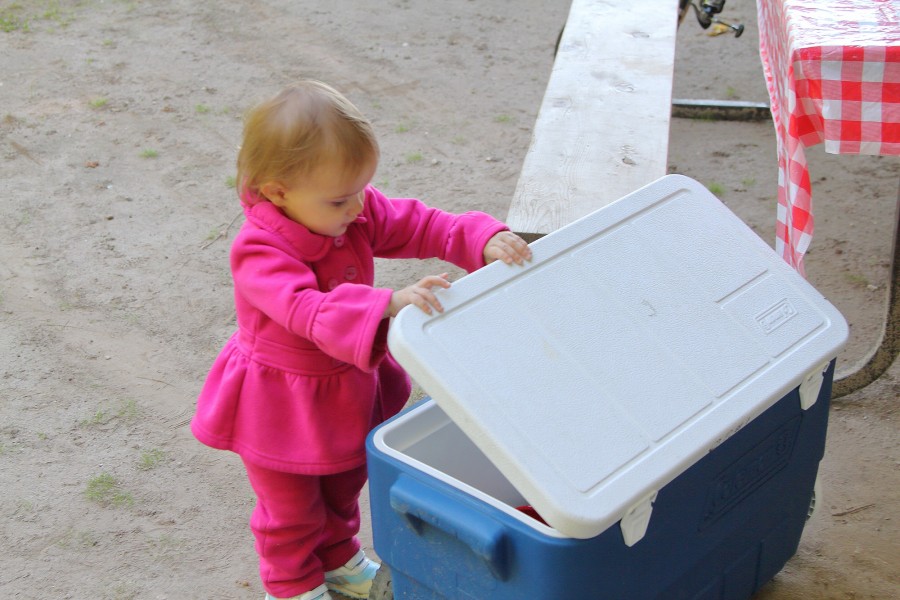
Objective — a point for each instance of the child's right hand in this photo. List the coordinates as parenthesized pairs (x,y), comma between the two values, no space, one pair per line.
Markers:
(419,294)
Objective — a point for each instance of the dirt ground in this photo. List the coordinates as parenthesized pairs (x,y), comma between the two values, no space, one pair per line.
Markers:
(120,121)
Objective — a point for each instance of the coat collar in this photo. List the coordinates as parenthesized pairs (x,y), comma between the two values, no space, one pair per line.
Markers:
(264,214)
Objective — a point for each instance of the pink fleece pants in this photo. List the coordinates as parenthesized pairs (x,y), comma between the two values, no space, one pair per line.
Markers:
(304,525)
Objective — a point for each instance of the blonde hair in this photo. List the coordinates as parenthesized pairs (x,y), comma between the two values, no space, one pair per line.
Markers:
(305,125)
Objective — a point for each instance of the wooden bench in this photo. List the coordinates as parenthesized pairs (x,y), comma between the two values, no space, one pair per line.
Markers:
(603,126)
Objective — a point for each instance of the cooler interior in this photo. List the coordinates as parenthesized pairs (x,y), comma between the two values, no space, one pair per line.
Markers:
(429,441)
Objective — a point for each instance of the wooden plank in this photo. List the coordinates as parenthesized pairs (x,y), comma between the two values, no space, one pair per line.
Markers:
(603,126)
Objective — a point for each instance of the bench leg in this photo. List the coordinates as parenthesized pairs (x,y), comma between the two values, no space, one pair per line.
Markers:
(888,346)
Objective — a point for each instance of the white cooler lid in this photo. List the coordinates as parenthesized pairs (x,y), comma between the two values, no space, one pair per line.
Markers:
(639,338)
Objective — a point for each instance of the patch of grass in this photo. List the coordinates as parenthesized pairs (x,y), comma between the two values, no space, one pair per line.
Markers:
(100,417)
(122,591)
(24,507)
(149,153)
(716,188)
(53,12)
(401,128)
(98,102)
(503,119)
(12,18)
(231,181)
(19,16)
(84,539)
(748,182)
(414,157)
(105,490)
(129,411)
(87,539)
(165,547)
(202,109)
(10,23)
(856,280)
(151,459)
(731,93)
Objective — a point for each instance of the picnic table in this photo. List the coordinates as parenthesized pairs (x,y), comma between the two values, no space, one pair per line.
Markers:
(832,69)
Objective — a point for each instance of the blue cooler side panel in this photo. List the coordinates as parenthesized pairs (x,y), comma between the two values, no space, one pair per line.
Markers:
(719,531)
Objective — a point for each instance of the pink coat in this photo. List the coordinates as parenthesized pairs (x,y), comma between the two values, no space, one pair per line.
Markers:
(307,374)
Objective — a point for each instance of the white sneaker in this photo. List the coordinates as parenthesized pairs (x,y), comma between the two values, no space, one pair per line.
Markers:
(355,578)
(320,593)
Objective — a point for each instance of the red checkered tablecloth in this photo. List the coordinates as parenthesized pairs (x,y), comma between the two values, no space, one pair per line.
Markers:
(832,68)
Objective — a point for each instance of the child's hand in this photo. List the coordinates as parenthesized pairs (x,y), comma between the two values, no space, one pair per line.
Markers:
(508,247)
(419,294)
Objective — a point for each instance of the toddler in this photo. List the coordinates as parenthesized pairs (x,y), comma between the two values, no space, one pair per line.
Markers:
(307,375)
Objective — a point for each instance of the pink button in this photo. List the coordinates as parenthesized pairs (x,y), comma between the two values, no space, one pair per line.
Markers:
(350,273)
(339,242)
(333,283)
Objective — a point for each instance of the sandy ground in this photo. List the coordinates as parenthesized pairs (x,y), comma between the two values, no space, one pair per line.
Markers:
(120,120)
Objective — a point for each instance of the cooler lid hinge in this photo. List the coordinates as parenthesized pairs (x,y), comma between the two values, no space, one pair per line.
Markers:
(637,518)
(811,386)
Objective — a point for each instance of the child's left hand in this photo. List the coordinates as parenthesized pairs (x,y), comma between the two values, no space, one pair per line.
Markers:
(508,247)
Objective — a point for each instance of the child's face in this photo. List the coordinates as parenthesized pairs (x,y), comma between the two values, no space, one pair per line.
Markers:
(325,201)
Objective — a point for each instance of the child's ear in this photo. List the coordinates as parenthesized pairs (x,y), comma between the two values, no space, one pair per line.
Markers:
(273,192)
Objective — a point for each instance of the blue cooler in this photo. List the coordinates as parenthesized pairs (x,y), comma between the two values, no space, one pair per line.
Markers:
(638,413)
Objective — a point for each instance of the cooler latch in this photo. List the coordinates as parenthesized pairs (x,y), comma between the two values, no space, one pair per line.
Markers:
(637,518)
(811,386)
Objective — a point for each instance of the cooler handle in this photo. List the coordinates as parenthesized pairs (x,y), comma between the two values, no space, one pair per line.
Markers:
(420,505)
